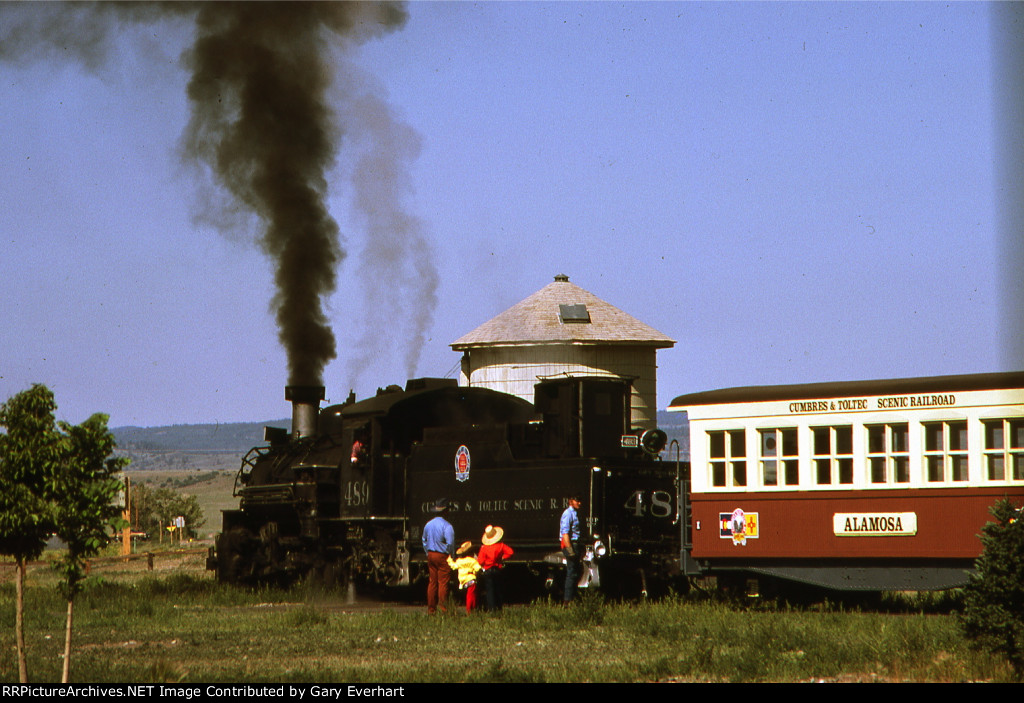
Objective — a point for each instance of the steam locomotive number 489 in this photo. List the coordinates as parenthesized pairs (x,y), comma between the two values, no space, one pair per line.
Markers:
(346,494)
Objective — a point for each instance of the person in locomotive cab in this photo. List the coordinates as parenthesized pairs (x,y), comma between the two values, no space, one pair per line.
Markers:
(467,567)
(359,449)
(492,558)
(569,536)
(438,544)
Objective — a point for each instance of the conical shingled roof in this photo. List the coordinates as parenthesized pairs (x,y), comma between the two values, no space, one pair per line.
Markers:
(538,320)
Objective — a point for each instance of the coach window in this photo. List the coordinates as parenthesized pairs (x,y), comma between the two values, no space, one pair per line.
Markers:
(888,453)
(728,454)
(779,451)
(1004,449)
(833,455)
(945,451)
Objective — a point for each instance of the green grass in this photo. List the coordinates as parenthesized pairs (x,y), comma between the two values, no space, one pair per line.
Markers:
(183,628)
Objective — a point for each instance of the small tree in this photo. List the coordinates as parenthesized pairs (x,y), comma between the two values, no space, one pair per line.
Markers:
(994,599)
(155,508)
(30,455)
(85,490)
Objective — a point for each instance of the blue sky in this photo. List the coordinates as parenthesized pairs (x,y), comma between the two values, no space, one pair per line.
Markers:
(795,192)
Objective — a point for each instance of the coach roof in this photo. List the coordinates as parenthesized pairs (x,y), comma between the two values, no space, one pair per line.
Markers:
(846,389)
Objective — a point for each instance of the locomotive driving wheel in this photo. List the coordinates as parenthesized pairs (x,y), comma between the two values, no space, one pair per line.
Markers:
(234,553)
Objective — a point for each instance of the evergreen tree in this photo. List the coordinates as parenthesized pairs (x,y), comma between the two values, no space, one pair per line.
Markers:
(994,599)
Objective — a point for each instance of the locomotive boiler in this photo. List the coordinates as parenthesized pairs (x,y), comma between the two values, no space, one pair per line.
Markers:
(345,495)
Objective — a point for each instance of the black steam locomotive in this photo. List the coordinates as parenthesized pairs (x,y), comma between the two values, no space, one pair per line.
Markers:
(345,495)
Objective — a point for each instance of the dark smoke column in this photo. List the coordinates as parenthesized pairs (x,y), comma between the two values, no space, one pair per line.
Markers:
(261,124)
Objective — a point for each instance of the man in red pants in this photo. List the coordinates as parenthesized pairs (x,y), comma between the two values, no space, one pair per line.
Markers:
(439,544)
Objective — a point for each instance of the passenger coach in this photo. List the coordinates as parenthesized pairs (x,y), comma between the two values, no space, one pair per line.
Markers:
(864,485)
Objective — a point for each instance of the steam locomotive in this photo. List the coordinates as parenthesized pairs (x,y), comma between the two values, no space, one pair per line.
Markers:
(345,495)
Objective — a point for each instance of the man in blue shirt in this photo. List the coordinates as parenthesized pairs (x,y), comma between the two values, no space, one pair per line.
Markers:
(439,544)
(569,540)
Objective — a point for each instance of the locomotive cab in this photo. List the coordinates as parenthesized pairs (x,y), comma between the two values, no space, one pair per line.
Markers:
(519,475)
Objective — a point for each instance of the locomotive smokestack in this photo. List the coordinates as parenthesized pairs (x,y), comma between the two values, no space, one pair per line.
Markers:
(305,402)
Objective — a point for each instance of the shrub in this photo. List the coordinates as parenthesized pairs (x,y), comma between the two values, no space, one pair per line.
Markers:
(993,616)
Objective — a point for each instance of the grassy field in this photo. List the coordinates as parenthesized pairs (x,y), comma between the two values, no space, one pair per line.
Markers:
(178,625)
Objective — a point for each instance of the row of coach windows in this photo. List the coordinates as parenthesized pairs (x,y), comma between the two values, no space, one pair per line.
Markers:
(888,454)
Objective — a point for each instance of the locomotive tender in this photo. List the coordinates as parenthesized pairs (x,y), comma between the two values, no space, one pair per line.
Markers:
(346,495)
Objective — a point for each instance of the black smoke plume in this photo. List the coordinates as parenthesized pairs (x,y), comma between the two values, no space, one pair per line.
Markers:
(261,131)
(261,122)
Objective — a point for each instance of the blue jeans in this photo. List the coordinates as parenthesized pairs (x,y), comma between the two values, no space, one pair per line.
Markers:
(491,580)
(573,571)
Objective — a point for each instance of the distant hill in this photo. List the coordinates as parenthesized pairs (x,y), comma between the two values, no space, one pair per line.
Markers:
(221,446)
(221,437)
(190,447)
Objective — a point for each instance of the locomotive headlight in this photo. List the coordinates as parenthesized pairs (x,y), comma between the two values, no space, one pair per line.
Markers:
(599,549)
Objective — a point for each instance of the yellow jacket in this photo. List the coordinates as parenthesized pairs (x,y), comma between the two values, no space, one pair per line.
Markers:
(467,568)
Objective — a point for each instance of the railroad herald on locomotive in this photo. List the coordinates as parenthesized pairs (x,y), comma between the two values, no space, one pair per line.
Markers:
(346,494)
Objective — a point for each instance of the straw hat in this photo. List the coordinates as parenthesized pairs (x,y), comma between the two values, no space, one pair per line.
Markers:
(463,548)
(492,534)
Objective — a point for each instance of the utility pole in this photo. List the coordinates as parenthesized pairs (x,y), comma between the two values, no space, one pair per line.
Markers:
(126,532)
